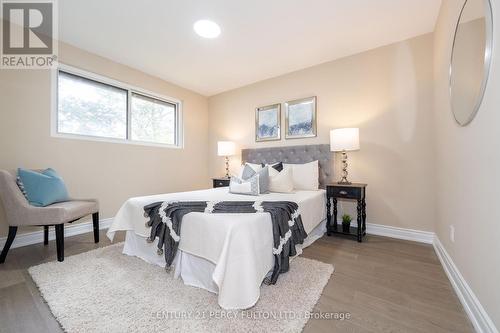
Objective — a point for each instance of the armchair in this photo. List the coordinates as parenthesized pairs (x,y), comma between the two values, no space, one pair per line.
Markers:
(20,213)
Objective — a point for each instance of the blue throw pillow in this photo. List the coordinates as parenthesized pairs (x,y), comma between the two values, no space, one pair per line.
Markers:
(43,188)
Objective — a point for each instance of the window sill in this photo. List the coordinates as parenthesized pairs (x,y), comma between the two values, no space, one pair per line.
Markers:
(111,140)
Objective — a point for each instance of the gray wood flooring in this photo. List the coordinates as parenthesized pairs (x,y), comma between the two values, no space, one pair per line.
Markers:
(386,285)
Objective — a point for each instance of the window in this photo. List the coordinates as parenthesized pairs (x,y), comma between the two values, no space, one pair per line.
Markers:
(88,107)
(152,120)
(98,108)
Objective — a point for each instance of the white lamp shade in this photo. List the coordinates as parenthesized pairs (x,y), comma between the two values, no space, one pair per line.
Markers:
(226,148)
(344,139)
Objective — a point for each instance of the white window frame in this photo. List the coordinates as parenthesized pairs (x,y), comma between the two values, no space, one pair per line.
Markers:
(179,126)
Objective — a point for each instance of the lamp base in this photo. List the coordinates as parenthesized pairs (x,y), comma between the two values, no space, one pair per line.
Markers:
(344,180)
(227,167)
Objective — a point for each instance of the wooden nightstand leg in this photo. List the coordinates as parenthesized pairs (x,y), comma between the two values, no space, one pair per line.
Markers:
(364,216)
(335,213)
(328,216)
(359,218)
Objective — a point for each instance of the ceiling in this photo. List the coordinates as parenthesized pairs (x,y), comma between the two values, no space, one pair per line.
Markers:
(260,39)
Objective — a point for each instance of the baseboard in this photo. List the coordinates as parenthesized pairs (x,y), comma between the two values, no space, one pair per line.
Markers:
(35,237)
(400,233)
(480,320)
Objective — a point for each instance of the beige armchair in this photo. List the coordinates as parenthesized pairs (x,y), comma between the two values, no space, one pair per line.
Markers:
(20,213)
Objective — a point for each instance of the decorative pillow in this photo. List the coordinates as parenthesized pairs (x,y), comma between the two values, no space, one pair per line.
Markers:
(281,181)
(273,172)
(240,186)
(255,167)
(43,188)
(21,187)
(305,176)
(276,166)
(247,172)
(263,173)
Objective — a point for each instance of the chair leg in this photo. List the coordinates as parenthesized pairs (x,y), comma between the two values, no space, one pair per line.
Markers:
(45,234)
(8,243)
(95,221)
(60,241)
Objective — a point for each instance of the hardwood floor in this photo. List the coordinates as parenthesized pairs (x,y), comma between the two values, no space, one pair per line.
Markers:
(386,285)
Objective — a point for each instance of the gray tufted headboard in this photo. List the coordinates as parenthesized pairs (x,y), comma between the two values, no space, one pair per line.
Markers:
(295,155)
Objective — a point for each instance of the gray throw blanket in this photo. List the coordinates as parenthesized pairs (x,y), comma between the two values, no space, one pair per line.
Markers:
(165,221)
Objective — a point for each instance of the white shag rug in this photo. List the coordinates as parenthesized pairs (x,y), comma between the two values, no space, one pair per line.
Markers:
(106,291)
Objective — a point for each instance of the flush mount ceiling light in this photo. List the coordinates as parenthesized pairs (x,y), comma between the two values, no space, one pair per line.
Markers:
(206,29)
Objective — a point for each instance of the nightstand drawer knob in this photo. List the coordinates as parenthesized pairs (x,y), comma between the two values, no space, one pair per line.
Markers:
(343,192)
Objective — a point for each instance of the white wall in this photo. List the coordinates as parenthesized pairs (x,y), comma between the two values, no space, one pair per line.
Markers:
(467,161)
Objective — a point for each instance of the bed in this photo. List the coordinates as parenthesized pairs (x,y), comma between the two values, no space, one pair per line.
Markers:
(229,254)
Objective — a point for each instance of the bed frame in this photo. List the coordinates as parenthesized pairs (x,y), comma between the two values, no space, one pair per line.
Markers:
(295,155)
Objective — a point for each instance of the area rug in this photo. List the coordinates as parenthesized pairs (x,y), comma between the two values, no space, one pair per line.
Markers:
(106,291)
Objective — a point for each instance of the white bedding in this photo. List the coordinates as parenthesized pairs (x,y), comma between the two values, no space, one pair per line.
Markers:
(239,246)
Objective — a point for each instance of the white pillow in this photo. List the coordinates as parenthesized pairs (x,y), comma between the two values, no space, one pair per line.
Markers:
(240,186)
(255,167)
(280,181)
(305,176)
(272,171)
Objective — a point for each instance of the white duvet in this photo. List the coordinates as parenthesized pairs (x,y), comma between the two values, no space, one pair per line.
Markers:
(238,245)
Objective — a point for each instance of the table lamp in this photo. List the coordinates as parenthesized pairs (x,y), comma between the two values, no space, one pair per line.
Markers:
(344,140)
(226,149)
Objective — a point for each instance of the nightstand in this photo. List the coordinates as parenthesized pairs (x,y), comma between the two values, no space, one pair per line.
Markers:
(353,191)
(220,182)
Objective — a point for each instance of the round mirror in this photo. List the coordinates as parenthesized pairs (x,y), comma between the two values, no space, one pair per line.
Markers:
(470,59)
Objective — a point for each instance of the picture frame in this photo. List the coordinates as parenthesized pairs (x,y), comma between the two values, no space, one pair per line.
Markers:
(300,118)
(268,123)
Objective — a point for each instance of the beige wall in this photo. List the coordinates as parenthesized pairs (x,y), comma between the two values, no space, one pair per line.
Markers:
(468,164)
(108,171)
(387,92)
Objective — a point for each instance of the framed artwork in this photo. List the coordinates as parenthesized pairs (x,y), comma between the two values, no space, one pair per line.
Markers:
(268,123)
(300,116)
